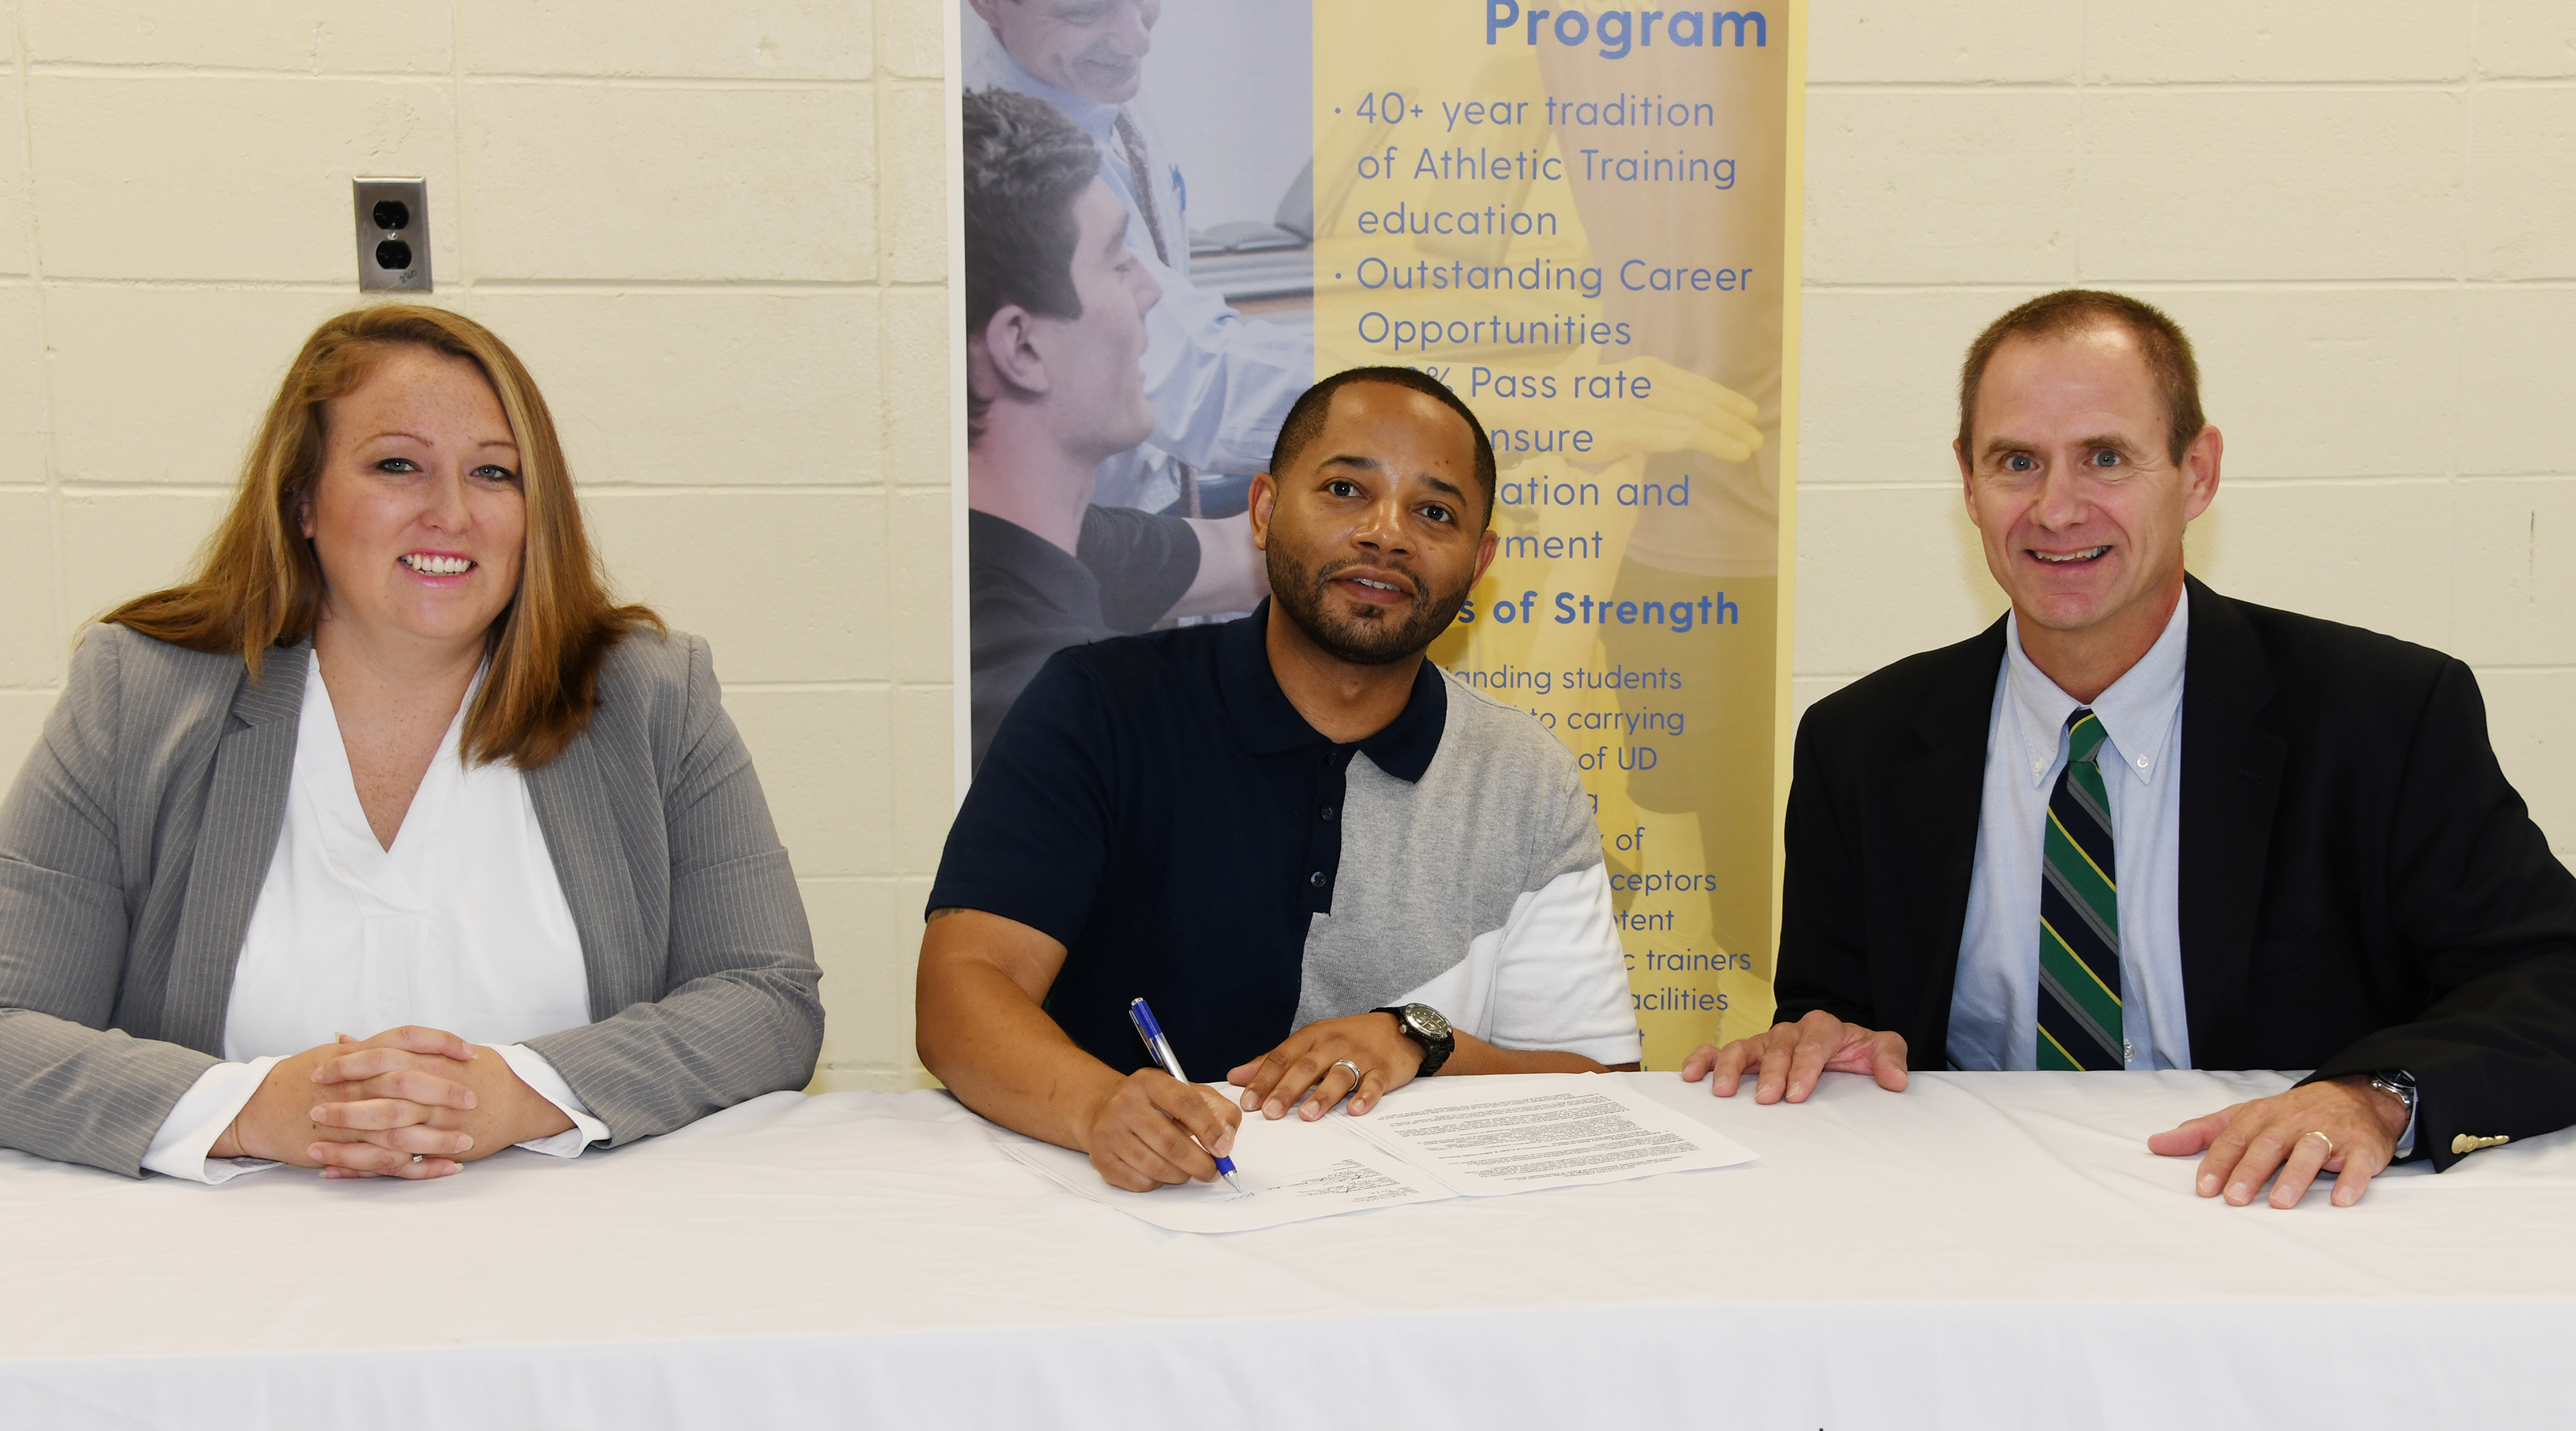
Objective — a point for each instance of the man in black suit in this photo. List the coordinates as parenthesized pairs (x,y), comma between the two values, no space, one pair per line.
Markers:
(2136,824)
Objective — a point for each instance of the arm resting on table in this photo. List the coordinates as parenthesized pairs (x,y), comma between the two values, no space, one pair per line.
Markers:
(1824,946)
(71,1088)
(2475,887)
(740,1014)
(981,1028)
(2492,1056)
(1474,1056)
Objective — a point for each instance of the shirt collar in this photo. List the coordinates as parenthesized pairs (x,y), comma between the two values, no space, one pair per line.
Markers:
(1268,724)
(2137,712)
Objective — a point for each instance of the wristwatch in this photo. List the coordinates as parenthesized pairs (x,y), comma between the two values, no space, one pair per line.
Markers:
(2400,1085)
(1424,1025)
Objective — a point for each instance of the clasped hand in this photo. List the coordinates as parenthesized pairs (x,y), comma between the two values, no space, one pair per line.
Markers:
(410,1102)
(1152,1129)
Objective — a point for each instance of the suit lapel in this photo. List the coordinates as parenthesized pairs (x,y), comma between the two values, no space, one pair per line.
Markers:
(1937,796)
(2231,780)
(579,818)
(237,838)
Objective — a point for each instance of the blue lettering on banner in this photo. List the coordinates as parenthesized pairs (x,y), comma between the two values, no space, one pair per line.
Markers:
(1614,33)
(1680,616)
(1671,1000)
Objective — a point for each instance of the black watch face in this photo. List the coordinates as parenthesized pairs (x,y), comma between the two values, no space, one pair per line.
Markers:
(1430,1022)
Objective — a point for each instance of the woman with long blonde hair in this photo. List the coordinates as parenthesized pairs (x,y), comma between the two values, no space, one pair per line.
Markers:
(389,840)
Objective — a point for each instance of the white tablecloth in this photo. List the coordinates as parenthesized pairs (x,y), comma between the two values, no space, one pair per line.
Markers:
(1985,1250)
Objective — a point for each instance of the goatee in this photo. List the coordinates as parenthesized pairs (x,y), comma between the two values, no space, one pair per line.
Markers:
(1372,637)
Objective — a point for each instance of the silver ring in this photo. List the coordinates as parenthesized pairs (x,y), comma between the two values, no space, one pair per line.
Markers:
(415,1157)
(1356,1075)
(2320,1133)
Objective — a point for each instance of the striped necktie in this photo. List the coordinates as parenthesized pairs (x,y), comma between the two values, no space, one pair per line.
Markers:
(1134,143)
(2079,914)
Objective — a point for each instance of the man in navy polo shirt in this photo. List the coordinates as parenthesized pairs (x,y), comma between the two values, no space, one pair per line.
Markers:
(1329,866)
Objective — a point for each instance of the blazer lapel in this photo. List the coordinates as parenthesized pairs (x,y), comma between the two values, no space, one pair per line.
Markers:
(1937,798)
(2231,780)
(237,838)
(579,819)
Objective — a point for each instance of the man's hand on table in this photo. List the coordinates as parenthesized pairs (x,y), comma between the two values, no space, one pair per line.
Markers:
(1316,1064)
(1790,1059)
(2341,1125)
(1153,1130)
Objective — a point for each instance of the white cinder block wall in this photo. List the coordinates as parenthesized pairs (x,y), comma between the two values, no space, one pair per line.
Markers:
(2364,214)
(717,234)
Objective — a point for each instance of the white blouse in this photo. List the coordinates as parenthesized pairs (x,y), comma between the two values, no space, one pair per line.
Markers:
(462,926)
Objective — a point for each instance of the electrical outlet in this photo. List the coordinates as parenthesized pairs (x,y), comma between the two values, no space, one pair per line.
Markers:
(393,234)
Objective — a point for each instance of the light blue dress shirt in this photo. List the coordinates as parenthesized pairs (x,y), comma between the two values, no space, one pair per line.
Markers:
(1994,1005)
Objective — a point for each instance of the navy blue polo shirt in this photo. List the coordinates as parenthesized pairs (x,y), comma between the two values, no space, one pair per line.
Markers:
(1156,805)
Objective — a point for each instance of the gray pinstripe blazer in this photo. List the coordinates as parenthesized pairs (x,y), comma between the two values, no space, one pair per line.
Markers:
(135,842)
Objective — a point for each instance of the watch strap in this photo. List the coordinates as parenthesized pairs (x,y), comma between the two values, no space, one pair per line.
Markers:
(2400,1085)
(1435,1049)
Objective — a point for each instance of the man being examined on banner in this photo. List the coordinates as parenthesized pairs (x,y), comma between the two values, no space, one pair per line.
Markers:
(1218,384)
(2136,824)
(1329,866)
(1055,305)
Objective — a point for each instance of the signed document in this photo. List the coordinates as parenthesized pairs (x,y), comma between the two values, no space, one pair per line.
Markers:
(1428,1141)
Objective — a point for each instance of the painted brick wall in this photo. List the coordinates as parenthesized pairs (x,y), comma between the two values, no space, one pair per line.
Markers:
(717,233)
(2364,214)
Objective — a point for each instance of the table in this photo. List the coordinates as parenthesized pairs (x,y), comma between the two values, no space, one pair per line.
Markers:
(1985,1250)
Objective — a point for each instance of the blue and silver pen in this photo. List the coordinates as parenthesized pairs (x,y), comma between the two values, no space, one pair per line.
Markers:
(1161,1048)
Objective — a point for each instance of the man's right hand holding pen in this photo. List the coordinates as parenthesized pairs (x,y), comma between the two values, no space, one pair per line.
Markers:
(1141,1136)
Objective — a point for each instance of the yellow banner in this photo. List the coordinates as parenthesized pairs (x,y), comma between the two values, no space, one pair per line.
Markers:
(1582,221)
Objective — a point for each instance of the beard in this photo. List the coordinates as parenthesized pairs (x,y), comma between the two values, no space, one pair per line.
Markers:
(1372,636)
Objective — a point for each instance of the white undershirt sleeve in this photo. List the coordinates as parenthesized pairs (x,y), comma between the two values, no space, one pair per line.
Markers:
(537,1073)
(1560,975)
(1553,978)
(199,1117)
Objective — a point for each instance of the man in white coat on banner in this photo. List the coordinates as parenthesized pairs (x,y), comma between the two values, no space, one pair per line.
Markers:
(1219,385)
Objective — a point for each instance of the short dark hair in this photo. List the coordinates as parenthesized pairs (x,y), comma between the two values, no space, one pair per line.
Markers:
(2075,310)
(1306,419)
(1025,165)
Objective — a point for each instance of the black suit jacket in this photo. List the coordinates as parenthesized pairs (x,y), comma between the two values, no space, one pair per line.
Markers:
(2360,888)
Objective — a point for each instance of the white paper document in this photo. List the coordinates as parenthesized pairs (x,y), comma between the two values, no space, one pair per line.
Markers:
(1291,1170)
(1491,1136)
(1428,1141)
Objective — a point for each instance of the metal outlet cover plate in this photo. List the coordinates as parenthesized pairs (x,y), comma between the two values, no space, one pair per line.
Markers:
(393,234)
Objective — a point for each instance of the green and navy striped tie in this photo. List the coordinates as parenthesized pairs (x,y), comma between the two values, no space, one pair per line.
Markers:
(2079,914)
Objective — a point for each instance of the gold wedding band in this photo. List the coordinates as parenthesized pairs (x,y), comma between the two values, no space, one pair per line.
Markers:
(2320,1133)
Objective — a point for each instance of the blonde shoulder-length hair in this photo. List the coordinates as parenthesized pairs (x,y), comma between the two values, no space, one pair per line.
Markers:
(261,585)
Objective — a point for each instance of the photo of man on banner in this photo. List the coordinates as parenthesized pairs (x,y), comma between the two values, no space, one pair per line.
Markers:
(1140,497)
